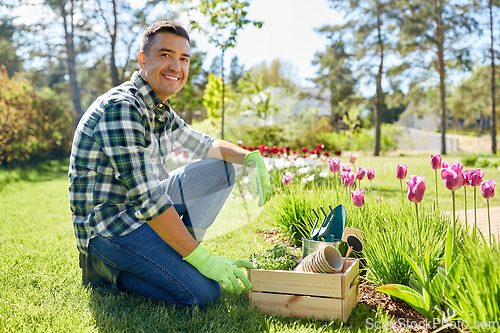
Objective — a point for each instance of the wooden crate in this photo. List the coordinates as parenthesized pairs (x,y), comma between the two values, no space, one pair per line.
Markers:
(304,294)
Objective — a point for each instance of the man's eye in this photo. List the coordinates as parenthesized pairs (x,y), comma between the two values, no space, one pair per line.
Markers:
(166,55)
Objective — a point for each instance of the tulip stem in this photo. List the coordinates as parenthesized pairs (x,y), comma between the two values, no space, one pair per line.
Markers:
(489,221)
(453,197)
(437,201)
(475,215)
(466,225)
(419,234)
(402,193)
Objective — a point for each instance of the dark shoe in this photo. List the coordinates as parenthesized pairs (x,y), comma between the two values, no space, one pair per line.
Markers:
(96,273)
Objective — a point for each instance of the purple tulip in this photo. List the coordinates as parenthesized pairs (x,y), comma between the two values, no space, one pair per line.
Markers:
(358,198)
(475,177)
(416,188)
(361,173)
(286,179)
(451,179)
(346,168)
(347,178)
(334,164)
(370,174)
(488,188)
(401,171)
(436,161)
(465,178)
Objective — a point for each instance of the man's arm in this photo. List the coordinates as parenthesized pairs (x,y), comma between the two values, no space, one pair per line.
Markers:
(227,151)
(172,230)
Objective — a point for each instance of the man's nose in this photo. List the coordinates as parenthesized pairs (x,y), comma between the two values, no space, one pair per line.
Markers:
(174,64)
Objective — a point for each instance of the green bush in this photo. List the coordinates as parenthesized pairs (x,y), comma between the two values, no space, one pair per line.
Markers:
(33,127)
(389,137)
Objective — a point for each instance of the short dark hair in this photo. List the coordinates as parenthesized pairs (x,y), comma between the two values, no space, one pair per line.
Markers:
(159,26)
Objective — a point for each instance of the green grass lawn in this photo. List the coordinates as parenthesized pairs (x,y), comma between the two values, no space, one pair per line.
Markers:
(41,281)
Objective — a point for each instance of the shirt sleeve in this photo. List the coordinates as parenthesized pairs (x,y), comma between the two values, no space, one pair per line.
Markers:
(121,133)
(190,140)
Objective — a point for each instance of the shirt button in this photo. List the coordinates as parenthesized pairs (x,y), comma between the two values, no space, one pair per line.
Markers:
(160,118)
(160,105)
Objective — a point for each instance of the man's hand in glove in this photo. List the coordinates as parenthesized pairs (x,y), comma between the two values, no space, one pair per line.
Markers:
(259,178)
(220,269)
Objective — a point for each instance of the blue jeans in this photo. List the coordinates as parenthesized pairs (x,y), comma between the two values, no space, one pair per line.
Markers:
(150,267)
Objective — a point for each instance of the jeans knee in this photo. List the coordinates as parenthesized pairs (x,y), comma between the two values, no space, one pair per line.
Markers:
(210,294)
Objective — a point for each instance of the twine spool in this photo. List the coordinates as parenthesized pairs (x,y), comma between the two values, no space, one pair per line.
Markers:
(326,259)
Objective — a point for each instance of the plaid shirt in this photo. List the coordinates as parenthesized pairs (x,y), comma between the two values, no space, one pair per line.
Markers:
(117,161)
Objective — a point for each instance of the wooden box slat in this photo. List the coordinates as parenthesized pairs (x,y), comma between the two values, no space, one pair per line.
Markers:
(297,306)
(303,294)
(304,283)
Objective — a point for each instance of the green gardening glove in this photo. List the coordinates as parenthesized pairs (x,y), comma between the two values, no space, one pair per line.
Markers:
(220,269)
(259,177)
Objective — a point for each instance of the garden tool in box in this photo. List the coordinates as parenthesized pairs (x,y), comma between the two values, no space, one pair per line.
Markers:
(332,226)
(336,224)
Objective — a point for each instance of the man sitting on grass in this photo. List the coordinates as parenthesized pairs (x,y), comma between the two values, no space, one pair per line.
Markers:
(137,224)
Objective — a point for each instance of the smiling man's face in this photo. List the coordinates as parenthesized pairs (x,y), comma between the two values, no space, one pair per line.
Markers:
(166,66)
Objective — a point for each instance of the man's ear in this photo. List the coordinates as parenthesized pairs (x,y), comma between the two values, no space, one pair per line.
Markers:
(141,59)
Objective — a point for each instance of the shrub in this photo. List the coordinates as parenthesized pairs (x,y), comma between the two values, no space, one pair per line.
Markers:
(32,127)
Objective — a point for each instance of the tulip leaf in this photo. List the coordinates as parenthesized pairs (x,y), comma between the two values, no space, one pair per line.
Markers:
(414,266)
(409,296)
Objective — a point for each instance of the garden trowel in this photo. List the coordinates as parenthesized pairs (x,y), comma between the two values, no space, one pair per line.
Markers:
(314,231)
(335,228)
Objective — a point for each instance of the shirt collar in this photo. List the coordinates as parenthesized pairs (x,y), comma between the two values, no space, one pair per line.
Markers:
(152,100)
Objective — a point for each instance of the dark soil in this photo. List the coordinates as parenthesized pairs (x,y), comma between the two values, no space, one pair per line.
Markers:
(403,316)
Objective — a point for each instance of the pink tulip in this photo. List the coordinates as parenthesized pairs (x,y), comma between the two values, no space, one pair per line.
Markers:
(457,167)
(416,188)
(358,198)
(346,167)
(370,174)
(334,164)
(451,179)
(475,177)
(436,161)
(361,173)
(401,171)
(445,165)
(465,178)
(488,188)
(353,158)
(286,179)
(347,178)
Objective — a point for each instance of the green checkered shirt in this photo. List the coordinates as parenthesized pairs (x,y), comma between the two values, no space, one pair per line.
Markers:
(115,165)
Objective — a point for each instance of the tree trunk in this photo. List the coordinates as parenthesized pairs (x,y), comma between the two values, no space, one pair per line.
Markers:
(222,73)
(379,97)
(493,113)
(441,70)
(70,57)
(114,70)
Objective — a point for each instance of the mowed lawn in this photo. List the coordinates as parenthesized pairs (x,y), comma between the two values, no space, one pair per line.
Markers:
(41,281)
